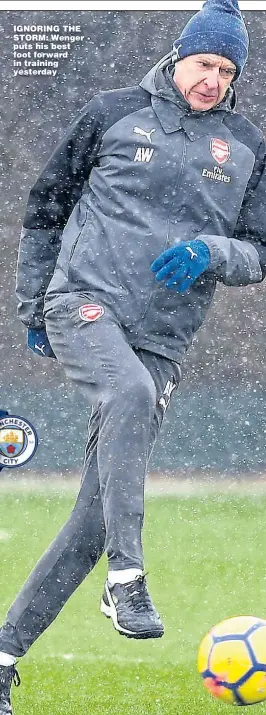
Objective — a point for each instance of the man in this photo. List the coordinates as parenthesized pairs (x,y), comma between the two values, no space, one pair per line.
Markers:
(153,195)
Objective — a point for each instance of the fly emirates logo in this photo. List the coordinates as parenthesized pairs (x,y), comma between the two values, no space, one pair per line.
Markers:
(216,174)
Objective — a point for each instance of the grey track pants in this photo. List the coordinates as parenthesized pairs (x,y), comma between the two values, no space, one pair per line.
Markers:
(129,390)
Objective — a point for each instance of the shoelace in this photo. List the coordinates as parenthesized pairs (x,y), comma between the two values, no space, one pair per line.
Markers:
(138,597)
(15,677)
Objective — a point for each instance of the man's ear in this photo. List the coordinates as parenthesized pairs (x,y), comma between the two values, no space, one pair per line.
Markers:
(231,95)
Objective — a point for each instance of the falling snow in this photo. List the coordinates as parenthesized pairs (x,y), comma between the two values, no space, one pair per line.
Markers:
(217,420)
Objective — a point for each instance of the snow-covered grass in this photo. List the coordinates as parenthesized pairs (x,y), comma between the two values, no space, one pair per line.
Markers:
(157,485)
(205,557)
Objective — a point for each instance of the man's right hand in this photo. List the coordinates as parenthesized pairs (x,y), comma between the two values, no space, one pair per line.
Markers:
(39,343)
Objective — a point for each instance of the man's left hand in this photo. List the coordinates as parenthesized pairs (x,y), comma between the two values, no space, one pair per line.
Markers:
(39,343)
(182,264)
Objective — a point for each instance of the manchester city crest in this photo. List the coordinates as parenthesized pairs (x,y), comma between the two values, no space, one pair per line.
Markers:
(18,441)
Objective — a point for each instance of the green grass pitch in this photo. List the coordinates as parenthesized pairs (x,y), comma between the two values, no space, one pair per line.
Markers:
(206,561)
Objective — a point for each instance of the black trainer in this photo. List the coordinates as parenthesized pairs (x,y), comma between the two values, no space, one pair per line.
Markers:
(131,609)
(8,673)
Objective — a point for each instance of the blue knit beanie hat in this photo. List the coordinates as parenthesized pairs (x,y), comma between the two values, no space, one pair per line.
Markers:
(218,29)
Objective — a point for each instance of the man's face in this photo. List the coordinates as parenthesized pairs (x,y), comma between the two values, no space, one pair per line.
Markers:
(204,79)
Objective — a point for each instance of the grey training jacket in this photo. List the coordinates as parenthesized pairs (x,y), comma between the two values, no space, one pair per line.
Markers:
(137,172)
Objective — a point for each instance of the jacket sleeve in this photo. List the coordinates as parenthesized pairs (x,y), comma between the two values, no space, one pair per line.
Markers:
(241,260)
(50,203)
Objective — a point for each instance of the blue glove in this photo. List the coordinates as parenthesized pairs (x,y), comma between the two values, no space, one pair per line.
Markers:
(39,343)
(3,413)
(182,264)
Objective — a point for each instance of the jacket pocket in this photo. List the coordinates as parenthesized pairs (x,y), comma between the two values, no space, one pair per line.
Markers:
(82,212)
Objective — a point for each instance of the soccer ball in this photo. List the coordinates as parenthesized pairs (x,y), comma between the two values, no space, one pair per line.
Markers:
(232,660)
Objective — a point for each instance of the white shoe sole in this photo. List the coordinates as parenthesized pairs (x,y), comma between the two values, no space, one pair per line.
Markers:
(110,612)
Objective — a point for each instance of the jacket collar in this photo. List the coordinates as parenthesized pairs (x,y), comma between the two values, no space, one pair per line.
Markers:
(196,124)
